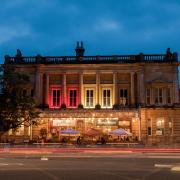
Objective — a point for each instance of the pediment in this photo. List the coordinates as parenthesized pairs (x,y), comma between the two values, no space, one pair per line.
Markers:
(158,81)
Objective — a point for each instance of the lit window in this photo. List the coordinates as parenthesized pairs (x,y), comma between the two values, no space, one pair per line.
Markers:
(72,98)
(170,126)
(106,98)
(20,131)
(148,96)
(149,127)
(56,98)
(89,101)
(123,97)
(160,126)
(168,96)
(158,95)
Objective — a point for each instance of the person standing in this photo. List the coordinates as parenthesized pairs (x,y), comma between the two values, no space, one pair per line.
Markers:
(78,140)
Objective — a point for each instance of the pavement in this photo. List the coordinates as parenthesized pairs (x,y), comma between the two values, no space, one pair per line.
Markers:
(51,149)
(94,165)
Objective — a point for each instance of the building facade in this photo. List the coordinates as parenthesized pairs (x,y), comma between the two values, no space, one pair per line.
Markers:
(136,92)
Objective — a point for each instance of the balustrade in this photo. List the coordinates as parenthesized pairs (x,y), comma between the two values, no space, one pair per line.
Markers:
(93,59)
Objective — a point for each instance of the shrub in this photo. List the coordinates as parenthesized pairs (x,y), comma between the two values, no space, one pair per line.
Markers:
(97,106)
(63,106)
(116,106)
(80,106)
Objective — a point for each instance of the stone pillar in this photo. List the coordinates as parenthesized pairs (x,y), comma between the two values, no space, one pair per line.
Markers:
(38,87)
(81,93)
(47,89)
(132,89)
(97,88)
(64,90)
(115,94)
(141,93)
(175,87)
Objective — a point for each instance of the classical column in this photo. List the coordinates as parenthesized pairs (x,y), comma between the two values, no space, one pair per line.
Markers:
(175,87)
(81,93)
(115,88)
(38,88)
(97,88)
(141,93)
(132,89)
(47,89)
(64,89)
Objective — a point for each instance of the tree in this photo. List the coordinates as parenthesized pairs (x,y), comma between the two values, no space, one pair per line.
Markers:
(16,108)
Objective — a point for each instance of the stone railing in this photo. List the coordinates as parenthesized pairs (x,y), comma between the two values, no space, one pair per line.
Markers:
(92,59)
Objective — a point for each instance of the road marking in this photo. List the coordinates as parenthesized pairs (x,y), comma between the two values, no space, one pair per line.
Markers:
(3,164)
(11,164)
(44,159)
(175,168)
(163,165)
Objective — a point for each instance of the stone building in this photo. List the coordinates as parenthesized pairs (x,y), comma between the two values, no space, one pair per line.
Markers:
(136,92)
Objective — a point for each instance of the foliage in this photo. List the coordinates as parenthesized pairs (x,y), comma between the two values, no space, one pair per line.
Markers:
(116,106)
(97,106)
(80,106)
(43,133)
(16,109)
(63,106)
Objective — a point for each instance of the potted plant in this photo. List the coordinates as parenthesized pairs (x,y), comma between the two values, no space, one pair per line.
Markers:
(116,106)
(80,106)
(63,106)
(97,106)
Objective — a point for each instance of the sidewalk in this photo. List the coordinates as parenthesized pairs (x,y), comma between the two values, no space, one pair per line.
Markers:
(74,149)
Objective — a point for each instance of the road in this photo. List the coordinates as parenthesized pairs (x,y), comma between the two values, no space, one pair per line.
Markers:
(90,166)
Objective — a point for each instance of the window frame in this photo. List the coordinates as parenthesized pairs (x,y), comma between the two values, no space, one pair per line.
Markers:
(106,98)
(148,96)
(123,97)
(52,98)
(162,129)
(157,95)
(90,98)
(168,96)
(69,98)
(149,119)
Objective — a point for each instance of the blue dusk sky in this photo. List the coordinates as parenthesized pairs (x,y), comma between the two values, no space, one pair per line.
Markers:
(107,27)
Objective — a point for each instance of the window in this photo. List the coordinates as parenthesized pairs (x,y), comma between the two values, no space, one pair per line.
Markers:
(20,130)
(158,95)
(106,98)
(56,97)
(148,96)
(89,101)
(168,96)
(123,97)
(149,127)
(160,126)
(72,98)
(32,92)
(170,124)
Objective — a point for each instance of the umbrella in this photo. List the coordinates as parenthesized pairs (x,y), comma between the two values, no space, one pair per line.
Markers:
(93,132)
(69,131)
(120,132)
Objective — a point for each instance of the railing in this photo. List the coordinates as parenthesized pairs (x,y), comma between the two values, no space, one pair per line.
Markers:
(92,59)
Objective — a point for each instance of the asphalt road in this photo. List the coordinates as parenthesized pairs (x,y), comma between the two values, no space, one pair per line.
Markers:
(90,166)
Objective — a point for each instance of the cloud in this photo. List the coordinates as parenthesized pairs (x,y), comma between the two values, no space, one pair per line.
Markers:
(8,33)
(106,25)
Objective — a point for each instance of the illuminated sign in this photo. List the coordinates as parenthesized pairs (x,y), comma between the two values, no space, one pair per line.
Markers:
(63,122)
(124,123)
(106,122)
